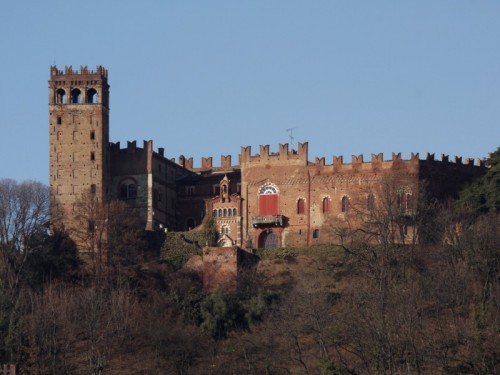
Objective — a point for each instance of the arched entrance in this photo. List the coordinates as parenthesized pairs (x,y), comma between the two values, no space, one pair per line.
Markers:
(268,240)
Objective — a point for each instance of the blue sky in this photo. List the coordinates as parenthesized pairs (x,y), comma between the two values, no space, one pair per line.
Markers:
(203,78)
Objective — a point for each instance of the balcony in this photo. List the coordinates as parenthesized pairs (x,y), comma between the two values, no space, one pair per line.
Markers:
(268,220)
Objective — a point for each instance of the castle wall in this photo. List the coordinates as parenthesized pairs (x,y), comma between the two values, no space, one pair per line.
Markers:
(154,178)
(282,198)
(319,189)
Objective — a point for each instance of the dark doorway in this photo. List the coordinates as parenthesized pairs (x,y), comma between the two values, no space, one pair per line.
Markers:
(268,240)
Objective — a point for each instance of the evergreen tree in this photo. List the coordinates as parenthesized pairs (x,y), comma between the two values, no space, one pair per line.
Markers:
(484,194)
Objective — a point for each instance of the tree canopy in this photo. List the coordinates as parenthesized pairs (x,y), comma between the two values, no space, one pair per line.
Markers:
(484,194)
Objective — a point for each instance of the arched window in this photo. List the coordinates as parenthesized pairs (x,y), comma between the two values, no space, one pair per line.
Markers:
(345,203)
(229,212)
(300,206)
(61,96)
(235,212)
(128,189)
(316,233)
(370,202)
(91,96)
(224,212)
(220,212)
(268,189)
(214,213)
(76,96)
(326,204)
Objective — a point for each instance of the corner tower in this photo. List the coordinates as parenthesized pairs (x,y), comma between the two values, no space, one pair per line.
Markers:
(79,137)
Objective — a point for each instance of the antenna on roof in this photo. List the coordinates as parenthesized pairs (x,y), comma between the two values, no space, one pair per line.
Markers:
(290,134)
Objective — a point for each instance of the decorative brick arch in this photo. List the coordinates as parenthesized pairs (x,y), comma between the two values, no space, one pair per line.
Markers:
(269,188)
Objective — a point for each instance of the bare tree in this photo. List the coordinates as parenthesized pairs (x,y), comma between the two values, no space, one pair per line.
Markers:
(24,212)
(109,232)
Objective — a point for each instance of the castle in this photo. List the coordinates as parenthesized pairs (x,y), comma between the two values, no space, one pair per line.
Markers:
(271,199)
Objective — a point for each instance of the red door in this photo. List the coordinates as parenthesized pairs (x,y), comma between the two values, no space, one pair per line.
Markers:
(268,204)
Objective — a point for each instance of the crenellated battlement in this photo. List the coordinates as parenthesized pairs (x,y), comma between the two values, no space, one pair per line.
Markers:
(132,148)
(458,160)
(84,70)
(357,163)
(207,164)
(284,155)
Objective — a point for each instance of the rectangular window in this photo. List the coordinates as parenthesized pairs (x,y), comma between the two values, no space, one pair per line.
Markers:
(59,120)
(92,156)
(92,135)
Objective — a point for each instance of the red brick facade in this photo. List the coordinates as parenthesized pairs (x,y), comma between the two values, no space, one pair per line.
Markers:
(268,200)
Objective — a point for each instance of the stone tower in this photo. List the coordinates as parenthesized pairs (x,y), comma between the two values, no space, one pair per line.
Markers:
(79,138)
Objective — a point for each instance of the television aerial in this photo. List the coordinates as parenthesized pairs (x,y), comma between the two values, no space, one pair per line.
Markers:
(290,134)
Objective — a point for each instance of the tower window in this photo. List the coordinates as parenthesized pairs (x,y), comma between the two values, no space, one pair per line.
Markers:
(92,135)
(91,96)
(92,156)
(59,120)
(92,189)
(76,96)
(316,233)
(61,96)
